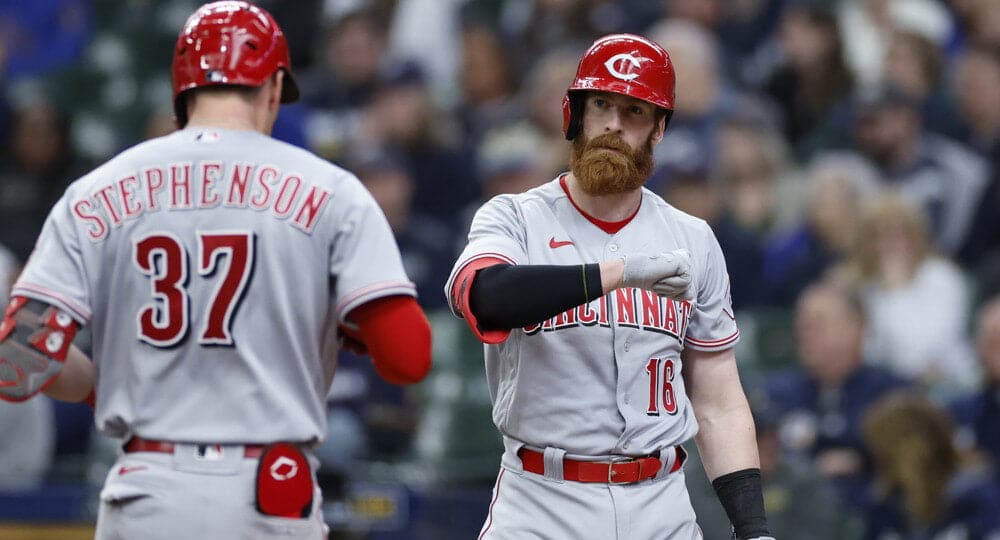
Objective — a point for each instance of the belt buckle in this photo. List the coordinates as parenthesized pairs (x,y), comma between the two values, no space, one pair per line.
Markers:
(617,460)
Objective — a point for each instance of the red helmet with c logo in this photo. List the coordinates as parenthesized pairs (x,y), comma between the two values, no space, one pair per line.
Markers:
(230,43)
(624,64)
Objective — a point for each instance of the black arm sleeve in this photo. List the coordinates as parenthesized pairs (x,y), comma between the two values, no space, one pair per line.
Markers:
(741,495)
(507,296)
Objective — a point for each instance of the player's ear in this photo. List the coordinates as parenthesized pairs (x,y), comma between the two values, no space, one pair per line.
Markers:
(274,96)
(659,129)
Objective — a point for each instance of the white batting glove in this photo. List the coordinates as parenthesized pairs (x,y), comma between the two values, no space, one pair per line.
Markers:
(666,274)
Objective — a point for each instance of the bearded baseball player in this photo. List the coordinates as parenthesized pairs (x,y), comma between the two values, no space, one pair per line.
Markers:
(608,330)
(215,266)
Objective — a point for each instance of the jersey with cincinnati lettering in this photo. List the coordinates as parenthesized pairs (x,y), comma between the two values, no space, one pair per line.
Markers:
(603,378)
(213,266)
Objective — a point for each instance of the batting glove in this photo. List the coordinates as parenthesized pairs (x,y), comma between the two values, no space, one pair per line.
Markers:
(666,274)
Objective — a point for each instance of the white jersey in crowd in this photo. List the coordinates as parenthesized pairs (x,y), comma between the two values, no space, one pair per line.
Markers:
(213,266)
(603,378)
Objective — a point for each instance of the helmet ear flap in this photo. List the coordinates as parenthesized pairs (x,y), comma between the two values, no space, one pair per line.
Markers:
(572,114)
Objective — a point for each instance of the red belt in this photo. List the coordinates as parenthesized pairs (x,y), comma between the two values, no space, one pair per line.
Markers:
(138,444)
(618,471)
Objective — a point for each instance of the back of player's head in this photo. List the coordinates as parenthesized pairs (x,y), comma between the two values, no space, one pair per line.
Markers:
(229,43)
(624,64)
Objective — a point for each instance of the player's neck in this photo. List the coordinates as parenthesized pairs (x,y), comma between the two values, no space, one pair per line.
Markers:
(227,112)
(613,207)
(224,122)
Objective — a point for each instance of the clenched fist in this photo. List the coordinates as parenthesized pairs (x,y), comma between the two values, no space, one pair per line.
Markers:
(666,274)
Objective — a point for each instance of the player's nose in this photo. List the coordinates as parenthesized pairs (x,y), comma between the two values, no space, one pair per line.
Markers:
(613,123)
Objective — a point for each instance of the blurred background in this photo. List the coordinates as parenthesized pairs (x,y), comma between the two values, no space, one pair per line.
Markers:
(844,151)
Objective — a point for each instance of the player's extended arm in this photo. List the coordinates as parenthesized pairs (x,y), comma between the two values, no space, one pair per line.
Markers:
(36,354)
(543,291)
(76,380)
(397,335)
(726,438)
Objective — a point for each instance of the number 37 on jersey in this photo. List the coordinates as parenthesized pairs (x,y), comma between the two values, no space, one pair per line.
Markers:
(225,257)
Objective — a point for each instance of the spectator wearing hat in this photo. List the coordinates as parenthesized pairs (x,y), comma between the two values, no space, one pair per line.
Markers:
(945,178)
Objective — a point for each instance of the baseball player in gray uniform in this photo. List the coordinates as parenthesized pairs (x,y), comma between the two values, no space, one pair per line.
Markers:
(215,266)
(608,330)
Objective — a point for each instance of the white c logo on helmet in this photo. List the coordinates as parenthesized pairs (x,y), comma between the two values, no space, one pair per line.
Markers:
(619,64)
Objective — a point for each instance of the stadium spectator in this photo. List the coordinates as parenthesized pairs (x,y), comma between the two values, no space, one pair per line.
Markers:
(39,165)
(344,80)
(917,302)
(821,402)
(418,235)
(813,83)
(976,76)
(867,26)
(978,415)
(945,178)
(760,189)
(403,119)
(924,490)
(837,186)
(693,188)
(488,82)
(913,63)
(703,99)
(800,502)
(546,84)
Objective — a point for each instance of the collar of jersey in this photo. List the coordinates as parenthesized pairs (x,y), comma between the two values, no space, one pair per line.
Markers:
(610,227)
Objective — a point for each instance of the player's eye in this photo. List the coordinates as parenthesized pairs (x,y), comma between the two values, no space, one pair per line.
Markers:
(636,110)
(600,102)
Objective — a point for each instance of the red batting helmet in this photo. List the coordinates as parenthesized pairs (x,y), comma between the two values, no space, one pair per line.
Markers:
(230,43)
(625,64)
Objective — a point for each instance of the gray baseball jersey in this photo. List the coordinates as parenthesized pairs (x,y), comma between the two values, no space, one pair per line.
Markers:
(603,378)
(213,266)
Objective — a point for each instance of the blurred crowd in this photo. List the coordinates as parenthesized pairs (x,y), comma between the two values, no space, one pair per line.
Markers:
(845,152)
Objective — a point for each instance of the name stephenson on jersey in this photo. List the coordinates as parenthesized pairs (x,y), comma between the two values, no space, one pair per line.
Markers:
(198,186)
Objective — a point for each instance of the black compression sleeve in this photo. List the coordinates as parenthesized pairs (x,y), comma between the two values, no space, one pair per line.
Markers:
(506,296)
(741,495)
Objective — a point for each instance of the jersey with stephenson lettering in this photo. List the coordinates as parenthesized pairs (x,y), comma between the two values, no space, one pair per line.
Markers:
(603,378)
(213,266)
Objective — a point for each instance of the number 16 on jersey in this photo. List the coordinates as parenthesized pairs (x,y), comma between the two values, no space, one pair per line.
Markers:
(661,375)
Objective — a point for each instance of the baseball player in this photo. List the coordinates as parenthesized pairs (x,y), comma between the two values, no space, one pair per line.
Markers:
(608,330)
(214,266)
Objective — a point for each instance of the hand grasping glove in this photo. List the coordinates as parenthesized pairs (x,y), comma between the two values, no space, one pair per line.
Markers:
(666,274)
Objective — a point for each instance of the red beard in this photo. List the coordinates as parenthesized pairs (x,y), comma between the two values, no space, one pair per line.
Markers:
(600,172)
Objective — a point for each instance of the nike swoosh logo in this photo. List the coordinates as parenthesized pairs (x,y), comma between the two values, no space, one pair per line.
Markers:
(126,469)
(554,244)
(728,314)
